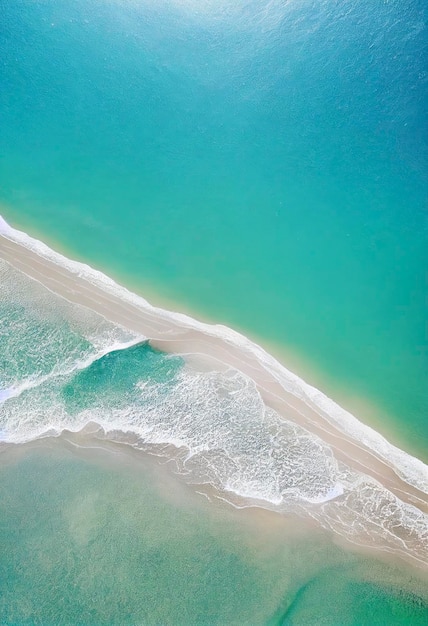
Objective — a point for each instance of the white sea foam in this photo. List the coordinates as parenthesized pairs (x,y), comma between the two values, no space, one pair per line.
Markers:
(58,372)
(6,393)
(217,430)
(5,229)
(407,467)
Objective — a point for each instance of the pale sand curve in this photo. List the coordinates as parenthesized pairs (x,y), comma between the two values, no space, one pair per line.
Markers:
(407,479)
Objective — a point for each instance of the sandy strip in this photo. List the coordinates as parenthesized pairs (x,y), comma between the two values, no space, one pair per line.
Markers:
(173,335)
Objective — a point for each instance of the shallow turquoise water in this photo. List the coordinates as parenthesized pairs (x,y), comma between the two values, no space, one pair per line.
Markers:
(95,537)
(263,164)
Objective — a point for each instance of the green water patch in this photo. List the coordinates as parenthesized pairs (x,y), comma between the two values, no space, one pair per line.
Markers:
(353,602)
(113,377)
(96,537)
(84,544)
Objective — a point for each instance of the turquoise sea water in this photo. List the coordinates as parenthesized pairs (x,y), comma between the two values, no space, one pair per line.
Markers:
(263,164)
(91,538)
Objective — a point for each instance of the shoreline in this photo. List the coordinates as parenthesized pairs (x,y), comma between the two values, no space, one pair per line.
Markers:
(375,417)
(358,446)
(107,454)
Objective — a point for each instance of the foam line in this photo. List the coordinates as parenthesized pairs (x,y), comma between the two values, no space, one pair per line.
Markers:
(5,229)
(5,394)
(80,364)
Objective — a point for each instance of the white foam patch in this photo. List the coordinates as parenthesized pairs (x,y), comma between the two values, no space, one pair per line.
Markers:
(217,422)
(5,394)
(5,229)
(217,430)
(335,491)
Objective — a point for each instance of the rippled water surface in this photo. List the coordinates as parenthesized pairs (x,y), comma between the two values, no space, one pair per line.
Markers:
(97,538)
(264,165)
